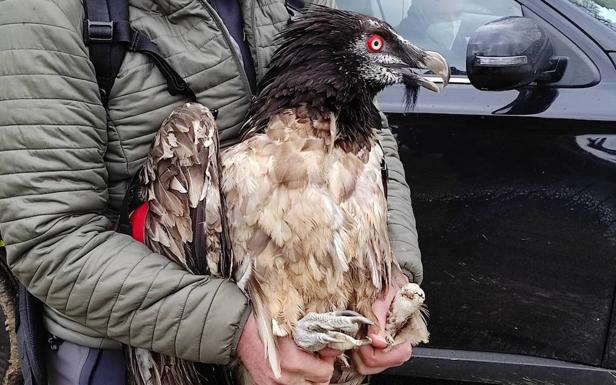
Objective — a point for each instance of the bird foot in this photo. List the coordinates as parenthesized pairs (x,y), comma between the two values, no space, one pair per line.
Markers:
(336,330)
(405,321)
(389,339)
(344,360)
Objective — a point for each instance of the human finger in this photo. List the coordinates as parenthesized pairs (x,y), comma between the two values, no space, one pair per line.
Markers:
(371,361)
(288,378)
(329,352)
(323,374)
(379,357)
(311,366)
(381,306)
(250,350)
(377,337)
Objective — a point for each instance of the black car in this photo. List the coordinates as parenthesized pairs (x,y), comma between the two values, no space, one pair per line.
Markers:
(514,191)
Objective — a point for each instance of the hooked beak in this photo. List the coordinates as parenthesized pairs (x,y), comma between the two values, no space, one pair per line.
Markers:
(416,58)
(436,63)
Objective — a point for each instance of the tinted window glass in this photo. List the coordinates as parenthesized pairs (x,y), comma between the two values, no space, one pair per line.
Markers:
(444,26)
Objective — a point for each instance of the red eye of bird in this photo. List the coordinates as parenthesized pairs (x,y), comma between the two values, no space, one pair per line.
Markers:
(375,43)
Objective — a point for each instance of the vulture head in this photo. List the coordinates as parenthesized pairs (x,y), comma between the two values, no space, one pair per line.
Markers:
(337,61)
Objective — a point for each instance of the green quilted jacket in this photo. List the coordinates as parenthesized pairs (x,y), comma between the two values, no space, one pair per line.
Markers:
(65,161)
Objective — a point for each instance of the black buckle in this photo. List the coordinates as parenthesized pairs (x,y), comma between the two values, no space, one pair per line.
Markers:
(98,31)
(384,175)
(54,343)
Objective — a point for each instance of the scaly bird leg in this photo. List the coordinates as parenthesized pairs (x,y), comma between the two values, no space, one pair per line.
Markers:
(336,330)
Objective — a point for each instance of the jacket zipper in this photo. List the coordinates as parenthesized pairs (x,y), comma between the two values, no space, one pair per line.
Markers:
(238,61)
(257,59)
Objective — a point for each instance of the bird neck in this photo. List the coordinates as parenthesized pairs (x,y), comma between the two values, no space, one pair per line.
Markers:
(323,89)
(356,124)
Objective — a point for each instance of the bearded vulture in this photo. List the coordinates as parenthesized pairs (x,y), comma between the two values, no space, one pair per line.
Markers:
(295,213)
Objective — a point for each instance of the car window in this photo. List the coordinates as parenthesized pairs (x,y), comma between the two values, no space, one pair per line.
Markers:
(603,10)
(444,26)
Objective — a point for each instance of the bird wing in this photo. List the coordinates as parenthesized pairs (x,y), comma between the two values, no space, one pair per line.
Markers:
(180,180)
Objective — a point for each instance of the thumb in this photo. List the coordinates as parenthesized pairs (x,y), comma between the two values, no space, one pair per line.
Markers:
(381,306)
(377,336)
(329,359)
(380,309)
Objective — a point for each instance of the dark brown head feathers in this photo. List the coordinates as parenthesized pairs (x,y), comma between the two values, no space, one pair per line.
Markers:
(325,63)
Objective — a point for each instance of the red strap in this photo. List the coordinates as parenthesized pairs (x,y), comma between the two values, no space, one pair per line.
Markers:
(137,222)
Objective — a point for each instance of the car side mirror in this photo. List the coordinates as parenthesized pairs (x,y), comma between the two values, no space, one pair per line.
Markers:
(511,53)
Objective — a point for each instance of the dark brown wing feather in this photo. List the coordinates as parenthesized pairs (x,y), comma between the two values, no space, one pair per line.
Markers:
(181,183)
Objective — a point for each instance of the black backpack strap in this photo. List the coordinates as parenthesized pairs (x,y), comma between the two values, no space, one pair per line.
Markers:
(32,338)
(31,335)
(298,5)
(132,200)
(108,35)
(384,171)
(295,8)
(176,85)
(102,24)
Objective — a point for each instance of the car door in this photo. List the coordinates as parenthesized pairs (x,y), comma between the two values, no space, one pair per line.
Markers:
(514,192)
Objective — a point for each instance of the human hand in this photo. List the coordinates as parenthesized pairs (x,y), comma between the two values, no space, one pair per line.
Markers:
(373,359)
(298,367)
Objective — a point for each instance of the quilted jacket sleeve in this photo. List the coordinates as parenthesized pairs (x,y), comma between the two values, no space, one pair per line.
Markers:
(401,220)
(53,194)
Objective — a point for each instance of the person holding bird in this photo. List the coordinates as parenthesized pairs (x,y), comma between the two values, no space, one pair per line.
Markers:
(69,152)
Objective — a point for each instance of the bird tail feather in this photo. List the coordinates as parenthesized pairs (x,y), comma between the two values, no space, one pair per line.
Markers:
(264,326)
(149,368)
(348,376)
